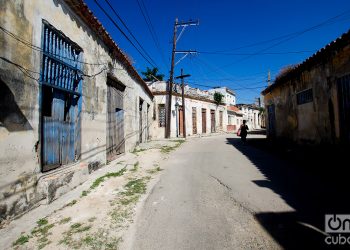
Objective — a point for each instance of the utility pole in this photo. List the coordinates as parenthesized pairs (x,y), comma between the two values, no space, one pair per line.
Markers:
(171,78)
(182,76)
(268,78)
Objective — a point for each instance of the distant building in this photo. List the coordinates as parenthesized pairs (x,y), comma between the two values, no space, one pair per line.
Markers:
(251,114)
(203,115)
(229,95)
(235,118)
(310,103)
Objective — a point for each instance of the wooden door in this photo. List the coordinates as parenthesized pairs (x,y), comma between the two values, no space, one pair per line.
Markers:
(221,119)
(115,121)
(180,121)
(204,121)
(140,121)
(194,120)
(212,119)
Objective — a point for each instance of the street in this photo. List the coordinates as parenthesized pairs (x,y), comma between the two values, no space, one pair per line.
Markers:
(219,194)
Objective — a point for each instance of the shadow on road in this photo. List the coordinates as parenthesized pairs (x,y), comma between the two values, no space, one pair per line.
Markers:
(311,180)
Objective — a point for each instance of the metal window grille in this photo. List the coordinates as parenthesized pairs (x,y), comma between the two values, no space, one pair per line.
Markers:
(61,56)
(304,96)
(161,109)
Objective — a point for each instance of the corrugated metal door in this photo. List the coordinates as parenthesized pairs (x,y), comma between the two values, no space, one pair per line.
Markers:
(212,118)
(194,120)
(344,108)
(115,121)
(204,121)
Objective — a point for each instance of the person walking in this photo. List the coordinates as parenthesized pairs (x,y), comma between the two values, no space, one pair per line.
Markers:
(244,131)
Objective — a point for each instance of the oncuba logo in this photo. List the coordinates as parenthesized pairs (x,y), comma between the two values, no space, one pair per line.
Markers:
(337,224)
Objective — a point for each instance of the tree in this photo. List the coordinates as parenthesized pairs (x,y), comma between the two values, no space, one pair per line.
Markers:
(218,98)
(151,75)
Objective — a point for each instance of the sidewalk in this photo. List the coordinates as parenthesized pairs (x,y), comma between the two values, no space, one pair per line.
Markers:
(84,217)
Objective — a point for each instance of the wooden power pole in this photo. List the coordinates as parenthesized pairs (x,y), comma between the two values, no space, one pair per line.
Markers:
(171,78)
(182,76)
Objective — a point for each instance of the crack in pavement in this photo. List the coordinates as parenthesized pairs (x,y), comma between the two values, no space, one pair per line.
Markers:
(244,207)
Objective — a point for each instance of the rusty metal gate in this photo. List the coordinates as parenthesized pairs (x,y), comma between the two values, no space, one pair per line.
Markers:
(194,120)
(115,120)
(344,108)
(204,121)
(212,119)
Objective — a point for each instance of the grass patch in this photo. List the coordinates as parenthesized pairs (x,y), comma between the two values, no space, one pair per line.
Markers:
(42,230)
(84,193)
(136,167)
(101,240)
(101,179)
(119,215)
(68,235)
(42,222)
(154,170)
(72,203)
(21,240)
(65,220)
(135,151)
(168,149)
(129,200)
(135,186)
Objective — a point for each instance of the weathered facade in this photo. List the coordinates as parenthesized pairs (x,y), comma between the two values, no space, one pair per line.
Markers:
(235,118)
(70,101)
(310,104)
(252,115)
(202,114)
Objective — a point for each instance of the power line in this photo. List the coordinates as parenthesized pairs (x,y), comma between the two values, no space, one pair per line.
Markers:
(36,48)
(127,38)
(248,54)
(283,36)
(291,36)
(151,29)
(126,27)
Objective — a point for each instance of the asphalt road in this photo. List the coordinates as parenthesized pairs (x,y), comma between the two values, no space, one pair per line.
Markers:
(216,193)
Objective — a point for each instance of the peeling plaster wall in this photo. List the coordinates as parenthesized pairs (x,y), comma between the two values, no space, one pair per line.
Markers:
(23,186)
(310,123)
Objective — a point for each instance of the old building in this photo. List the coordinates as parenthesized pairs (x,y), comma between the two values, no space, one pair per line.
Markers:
(310,103)
(202,114)
(70,101)
(251,114)
(235,118)
(229,96)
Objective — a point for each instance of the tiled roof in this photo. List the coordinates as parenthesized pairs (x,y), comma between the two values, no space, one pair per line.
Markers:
(80,8)
(320,55)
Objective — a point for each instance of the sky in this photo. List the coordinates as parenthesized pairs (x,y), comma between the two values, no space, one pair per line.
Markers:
(237,42)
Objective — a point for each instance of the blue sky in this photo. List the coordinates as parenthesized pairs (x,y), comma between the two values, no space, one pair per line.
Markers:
(227,28)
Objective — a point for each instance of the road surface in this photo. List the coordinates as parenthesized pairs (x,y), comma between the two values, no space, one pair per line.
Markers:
(216,193)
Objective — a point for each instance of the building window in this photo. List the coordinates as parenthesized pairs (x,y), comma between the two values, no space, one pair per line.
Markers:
(161,111)
(304,96)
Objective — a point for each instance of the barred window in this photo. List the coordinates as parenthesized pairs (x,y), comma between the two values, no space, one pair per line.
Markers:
(161,111)
(304,96)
